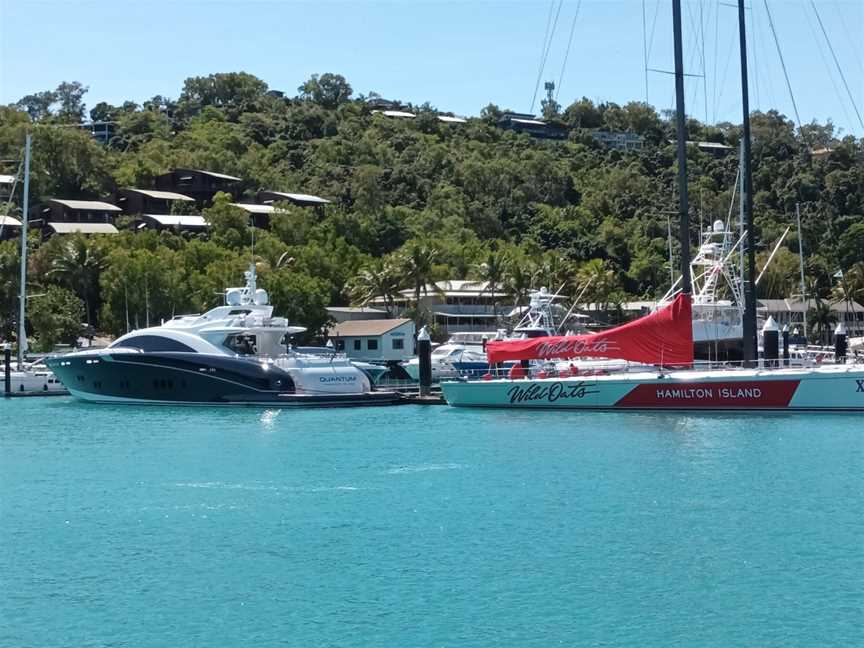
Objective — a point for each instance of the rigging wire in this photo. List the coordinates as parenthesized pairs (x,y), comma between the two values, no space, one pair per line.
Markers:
(716,41)
(569,43)
(837,92)
(543,50)
(783,64)
(837,63)
(759,41)
(653,26)
(732,39)
(852,45)
(645,51)
(752,52)
(704,78)
(548,46)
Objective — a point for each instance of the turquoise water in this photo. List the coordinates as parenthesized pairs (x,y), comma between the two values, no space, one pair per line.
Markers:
(412,526)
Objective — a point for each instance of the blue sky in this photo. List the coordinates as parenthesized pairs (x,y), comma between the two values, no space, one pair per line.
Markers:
(459,56)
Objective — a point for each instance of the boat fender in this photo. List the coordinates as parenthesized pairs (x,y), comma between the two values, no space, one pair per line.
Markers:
(516,372)
(487,376)
(542,374)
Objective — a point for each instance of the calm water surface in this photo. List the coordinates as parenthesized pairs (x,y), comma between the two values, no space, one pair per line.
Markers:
(412,526)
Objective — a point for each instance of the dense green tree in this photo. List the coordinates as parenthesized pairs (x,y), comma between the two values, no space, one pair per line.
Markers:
(302,299)
(77,266)
(55,316)
(379,278)
(327,90)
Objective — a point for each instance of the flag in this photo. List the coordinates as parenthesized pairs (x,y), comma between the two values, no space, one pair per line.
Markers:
(838,274)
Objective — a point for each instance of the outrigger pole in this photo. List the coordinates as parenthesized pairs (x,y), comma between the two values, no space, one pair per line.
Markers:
(680,117)
(751,347)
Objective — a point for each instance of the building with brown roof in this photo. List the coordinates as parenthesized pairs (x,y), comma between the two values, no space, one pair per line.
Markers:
(379,339)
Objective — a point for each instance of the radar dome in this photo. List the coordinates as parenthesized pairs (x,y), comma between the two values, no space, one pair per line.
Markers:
(261,297)
(719,226)
(232,297)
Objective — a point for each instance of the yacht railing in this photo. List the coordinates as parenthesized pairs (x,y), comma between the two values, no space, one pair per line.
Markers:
(563,370)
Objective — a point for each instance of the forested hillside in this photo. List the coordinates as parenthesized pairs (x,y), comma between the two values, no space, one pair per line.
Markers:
(413,200)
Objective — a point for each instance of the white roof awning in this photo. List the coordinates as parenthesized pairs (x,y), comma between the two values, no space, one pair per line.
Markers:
(8,221)
(176,220)
(91,205)
(160,195)
(302,198)
(83,228)
(221,176)
(452,120)
(255,209)
(7,179)
(395,113)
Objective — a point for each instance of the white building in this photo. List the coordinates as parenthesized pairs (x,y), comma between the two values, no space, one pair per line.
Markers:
(377,339)
(458,305)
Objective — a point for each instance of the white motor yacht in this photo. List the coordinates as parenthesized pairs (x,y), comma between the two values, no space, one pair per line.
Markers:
(237,353)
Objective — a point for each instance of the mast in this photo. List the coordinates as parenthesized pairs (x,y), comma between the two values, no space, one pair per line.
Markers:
(22,294)
(749,321)
(801,266)
(683,206)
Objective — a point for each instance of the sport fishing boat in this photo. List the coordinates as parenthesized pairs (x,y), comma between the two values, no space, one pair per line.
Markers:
(235,354)
(664,339)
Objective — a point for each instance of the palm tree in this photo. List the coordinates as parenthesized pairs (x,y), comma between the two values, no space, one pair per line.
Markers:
(378,279)
(78,266)
(555,272)
(821,320)
(603,281)
(492,272)
(519,274)
(417,265)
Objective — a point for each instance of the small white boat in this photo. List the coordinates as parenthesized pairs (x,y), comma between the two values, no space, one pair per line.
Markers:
(32,378)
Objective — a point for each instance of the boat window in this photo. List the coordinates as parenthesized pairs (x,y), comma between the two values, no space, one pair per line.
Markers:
(242,344)
(240,311)
(155,343)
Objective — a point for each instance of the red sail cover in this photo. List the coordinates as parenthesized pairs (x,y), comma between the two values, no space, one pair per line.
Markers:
(663,337)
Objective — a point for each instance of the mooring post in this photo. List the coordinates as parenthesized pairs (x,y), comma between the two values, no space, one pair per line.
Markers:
(840,344)
(770,342)
(7,372)
(786,345)
(424,352)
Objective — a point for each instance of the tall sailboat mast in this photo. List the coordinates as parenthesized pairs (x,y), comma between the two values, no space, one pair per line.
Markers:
(680,117)
(749,321)
(22,293)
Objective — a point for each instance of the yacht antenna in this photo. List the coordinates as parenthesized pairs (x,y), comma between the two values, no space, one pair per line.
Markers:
(683,206)
(749,320)
(25,213)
